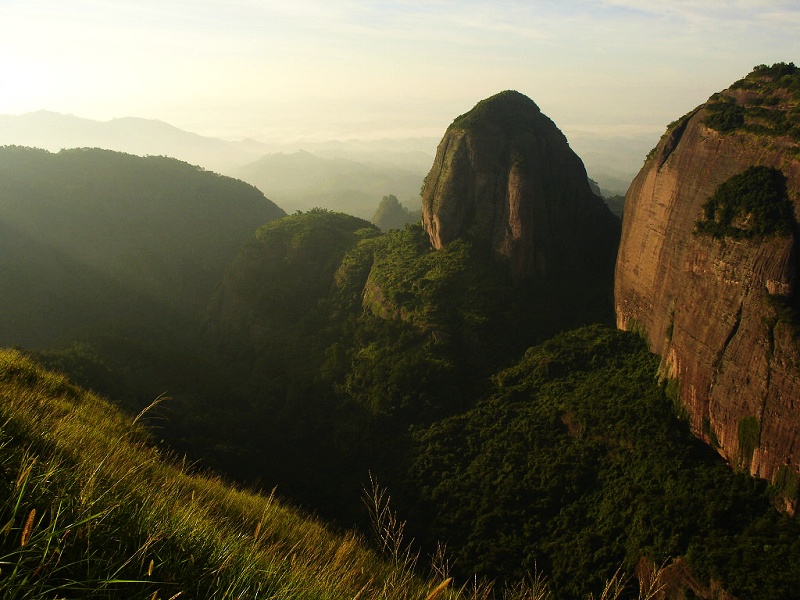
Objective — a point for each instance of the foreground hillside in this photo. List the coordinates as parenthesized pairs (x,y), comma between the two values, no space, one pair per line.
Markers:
(575,466)
(91,509)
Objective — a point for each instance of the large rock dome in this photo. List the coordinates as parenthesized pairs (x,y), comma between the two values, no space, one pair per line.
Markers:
(505,176)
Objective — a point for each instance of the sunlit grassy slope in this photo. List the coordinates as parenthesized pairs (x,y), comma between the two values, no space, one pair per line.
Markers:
(88,507)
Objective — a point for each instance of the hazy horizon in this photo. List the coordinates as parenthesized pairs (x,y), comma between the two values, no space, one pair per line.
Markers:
(610,73)
(276,71)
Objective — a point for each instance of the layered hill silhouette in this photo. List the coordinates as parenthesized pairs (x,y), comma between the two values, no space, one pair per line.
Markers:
(347,175)
(350,176)
(131,135)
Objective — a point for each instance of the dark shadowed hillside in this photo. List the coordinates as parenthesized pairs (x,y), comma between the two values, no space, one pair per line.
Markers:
(94,239)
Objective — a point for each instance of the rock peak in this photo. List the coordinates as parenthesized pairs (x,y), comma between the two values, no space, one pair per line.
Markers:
(508,109)
(505,177)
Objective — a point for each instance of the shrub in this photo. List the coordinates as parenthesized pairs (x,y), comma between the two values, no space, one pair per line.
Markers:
(752,204)
(724,116)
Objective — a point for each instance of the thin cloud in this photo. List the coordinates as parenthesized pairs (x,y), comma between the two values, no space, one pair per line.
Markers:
(711,11)
(587,61)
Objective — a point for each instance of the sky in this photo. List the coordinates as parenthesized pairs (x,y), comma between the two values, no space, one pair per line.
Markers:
(337,69)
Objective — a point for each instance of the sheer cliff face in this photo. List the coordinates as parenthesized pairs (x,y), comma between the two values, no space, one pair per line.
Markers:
(504,175)
(719,307)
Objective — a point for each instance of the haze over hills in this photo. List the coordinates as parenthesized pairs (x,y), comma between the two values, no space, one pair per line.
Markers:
(301,180)
(94,238)
(350,175)
(610,160)
(54,131)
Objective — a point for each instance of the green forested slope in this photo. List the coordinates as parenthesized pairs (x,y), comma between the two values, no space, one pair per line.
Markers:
(573,460)
(578,463)
(97,239)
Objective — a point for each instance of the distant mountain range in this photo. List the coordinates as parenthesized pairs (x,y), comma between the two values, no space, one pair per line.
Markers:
(351,176)
(54,131)
(346,175)
(302,180)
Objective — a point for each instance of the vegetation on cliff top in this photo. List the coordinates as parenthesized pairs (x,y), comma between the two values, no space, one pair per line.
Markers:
(766,102)
(508,110)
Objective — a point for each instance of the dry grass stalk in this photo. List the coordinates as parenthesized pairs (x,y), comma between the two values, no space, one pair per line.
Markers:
(533,587)
(614,587)
(476,589)
(388,528)
(26,531)
(152,405)
(440,562)
(363,589)
(439,589)
(651,582)
(23,476)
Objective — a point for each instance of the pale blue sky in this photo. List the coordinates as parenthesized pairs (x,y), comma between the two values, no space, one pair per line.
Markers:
(317,69)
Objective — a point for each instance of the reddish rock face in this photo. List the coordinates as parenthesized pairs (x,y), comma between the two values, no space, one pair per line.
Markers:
(719,310)
(505,176)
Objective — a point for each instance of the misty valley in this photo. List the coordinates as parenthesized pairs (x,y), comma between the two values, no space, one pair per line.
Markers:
(512,389)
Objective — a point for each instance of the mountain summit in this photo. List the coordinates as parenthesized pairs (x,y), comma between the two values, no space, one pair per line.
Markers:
(505,176)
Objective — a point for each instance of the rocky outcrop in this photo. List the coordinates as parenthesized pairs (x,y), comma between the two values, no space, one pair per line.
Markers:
(505,176)
(713,286)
